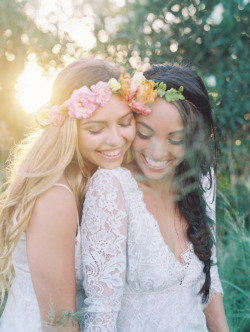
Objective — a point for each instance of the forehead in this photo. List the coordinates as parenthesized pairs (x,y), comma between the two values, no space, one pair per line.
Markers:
(164,116)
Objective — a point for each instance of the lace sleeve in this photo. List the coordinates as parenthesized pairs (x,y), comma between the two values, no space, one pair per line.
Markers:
(209,196)
(104,230)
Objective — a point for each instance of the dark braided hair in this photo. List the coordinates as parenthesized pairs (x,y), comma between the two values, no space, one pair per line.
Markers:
(200,158)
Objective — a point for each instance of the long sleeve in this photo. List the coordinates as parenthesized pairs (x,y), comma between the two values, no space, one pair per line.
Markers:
(210,198)
(104,233)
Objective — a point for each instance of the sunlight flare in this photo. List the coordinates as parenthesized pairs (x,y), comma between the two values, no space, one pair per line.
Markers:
(33,88)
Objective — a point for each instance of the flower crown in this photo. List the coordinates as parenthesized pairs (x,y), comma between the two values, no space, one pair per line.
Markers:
(85,101)
(137,91)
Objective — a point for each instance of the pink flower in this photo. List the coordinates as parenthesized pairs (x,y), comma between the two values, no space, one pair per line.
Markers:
(140,108)
(55,116)
(82,103)
(102,92)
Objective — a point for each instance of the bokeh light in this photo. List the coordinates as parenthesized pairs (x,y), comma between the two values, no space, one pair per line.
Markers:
(33,88)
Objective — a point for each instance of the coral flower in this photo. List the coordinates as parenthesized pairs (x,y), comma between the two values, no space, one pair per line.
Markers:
(140,108)
(128,88)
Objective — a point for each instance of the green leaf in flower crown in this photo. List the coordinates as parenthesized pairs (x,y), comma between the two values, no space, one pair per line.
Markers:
(174,95)
(160,92)
(171,94)
(163,86)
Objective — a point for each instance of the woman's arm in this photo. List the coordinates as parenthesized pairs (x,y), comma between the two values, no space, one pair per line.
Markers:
(51,257)
(215,314)
(104,235)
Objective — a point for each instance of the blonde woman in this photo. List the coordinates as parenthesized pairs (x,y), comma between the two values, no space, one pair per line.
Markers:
(88,124)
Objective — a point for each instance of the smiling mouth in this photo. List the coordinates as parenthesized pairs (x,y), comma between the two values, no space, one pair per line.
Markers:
(111,154)
(157,165)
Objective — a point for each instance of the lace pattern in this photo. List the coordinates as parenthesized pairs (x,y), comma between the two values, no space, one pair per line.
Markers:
(104,226)
(132,280)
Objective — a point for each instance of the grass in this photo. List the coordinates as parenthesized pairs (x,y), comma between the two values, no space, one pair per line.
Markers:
(233,252)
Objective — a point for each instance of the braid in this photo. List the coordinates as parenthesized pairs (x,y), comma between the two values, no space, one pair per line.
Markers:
(200,157)
(192,207)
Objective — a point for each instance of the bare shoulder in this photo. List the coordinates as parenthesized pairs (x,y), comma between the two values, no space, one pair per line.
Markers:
(55,207)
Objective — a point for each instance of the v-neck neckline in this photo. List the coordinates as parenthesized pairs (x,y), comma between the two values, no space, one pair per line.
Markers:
(189,247)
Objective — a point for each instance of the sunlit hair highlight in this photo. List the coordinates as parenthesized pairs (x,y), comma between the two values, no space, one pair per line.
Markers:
(41,159)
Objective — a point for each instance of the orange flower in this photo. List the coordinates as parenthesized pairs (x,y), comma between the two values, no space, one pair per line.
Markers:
(128,88)
(146,93)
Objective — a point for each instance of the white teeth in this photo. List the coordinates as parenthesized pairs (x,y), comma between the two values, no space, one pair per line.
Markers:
(154,163)
(111,153)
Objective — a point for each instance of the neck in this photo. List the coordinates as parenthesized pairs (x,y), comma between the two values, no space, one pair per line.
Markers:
(161,186)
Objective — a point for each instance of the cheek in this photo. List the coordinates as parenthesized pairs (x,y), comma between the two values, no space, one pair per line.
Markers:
(179,152)
(86,143)
(140,144)
(132,131)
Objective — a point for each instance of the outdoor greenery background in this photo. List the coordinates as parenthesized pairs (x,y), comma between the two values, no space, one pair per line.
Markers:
(136,34)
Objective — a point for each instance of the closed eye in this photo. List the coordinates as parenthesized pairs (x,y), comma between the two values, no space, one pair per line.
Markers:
(95,132)
(126,121)
(176,142)
(142,135)
(125,125)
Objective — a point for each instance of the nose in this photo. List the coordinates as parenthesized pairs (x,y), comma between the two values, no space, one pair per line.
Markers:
(114,137)
(158,149)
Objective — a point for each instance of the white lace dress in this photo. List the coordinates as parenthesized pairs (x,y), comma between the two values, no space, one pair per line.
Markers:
(21,313)
(132,280)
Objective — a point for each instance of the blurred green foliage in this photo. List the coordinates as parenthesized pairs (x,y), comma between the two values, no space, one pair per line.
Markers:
(210,36)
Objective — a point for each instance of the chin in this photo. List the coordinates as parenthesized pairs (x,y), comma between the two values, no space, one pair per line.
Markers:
(111,165)
(157,174)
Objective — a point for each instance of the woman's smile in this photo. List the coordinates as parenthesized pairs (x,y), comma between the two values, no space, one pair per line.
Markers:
(111,154)
(157,165)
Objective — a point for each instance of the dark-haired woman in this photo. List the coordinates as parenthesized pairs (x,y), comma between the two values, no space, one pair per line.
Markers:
(149,260)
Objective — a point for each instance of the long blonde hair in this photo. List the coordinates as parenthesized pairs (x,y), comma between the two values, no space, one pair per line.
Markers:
(41,159)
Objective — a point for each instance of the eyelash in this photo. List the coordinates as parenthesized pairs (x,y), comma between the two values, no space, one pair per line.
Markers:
(142,136)
(125,125)
(180,142)
(95,132)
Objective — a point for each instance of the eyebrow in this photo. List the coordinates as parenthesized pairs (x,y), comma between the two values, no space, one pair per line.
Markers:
(145,125)
(181,131)
(103,121)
